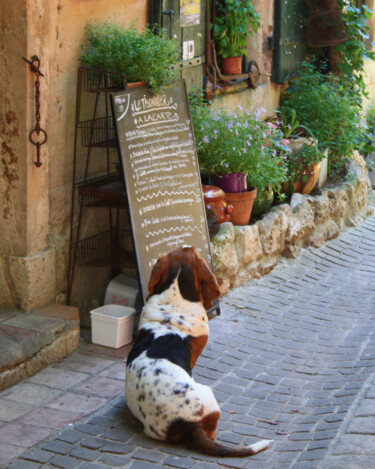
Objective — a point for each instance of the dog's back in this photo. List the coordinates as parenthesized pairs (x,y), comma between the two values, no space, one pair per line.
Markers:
(173,331)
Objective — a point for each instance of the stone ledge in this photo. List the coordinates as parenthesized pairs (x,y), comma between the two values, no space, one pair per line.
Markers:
(33,340)
(244,252)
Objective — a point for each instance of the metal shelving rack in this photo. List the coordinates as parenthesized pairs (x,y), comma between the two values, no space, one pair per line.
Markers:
(103,190)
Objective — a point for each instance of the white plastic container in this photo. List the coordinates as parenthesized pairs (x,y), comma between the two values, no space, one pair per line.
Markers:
(112,325)
(122,290)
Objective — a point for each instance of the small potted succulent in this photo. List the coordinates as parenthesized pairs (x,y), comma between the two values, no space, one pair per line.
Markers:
(143,56)
(236,20)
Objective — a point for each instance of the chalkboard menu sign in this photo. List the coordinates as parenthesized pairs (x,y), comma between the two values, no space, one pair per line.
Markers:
(160,167)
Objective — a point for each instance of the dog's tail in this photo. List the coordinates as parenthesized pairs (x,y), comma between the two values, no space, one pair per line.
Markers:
(196,438)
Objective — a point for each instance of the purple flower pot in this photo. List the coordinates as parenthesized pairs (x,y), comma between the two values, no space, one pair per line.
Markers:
(233,182)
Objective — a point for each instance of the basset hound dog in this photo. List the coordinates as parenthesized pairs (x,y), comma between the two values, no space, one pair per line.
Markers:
(173,331)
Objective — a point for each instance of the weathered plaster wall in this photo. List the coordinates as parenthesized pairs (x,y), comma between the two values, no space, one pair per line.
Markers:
(35,202)
(267,94)
(244,252)
(13,128)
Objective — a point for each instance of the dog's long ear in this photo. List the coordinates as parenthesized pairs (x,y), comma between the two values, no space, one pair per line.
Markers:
(158,274)
(208,284)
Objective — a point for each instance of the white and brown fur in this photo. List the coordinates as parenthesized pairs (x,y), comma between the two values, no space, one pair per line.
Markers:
(173,331)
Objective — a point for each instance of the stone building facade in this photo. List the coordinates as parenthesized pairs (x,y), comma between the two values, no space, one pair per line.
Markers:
(35,201)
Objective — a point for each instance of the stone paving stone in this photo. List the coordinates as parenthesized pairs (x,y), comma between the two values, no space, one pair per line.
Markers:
(79,403)
(100,386)
(37,455)
(91,465)
(83,364)
(8,452)
(18,434)
(362,425)
(114,460)
(56,446)
(70,436)
(57,378)
(11,410)
(147,455)
(22,464)
(84,453)
(65,462)
(93,442)
(31,393)
(366,408)
(49,418)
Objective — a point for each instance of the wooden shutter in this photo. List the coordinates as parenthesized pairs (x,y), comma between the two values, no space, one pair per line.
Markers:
(288,41)
(167,14)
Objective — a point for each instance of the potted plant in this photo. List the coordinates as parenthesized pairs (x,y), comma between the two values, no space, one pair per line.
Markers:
(237,145)
(304,157)
(330,112)
(270,174)
(236,20)
(143,56)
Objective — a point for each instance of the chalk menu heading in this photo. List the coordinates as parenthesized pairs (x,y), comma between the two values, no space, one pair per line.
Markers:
(161,171)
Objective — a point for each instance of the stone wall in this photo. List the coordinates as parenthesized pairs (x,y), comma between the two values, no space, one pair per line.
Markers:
(36,202)
(244,252)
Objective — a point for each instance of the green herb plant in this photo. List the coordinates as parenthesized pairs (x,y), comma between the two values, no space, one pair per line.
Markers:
(147,55)
(236,20)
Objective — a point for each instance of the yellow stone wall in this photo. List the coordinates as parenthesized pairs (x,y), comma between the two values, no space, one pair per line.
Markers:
(35,202)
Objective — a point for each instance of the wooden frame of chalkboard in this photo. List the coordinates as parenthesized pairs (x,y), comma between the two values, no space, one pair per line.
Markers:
(160,167)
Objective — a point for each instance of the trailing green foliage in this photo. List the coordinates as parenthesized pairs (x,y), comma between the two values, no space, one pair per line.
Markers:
(141,56)
(353,51)
(236,20)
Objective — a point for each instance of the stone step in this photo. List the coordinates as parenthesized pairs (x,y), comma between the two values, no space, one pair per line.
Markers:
(32,340)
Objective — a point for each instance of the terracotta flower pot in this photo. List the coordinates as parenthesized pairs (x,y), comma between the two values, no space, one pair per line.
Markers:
(242,205)
(136,84)
(306,183)
(231,65)
(233,182)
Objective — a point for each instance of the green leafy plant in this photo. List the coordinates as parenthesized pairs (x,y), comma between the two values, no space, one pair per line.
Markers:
(142,56)
(353,52)
(329,111)
(236,20)
(239,141)
(301,159)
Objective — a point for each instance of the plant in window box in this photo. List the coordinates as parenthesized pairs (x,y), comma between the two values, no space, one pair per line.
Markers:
(143,56)
(236,147)
(236,20)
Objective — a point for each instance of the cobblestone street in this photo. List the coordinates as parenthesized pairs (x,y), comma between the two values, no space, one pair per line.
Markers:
(291,358)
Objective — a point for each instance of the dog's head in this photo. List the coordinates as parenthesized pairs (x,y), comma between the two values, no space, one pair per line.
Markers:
(195,279)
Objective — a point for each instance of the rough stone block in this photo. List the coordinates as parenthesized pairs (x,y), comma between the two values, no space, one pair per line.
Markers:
(33,279)
(339,205)
(223,250)
(272,232)
(322,208)
(248,243)
(7,300)
(301,221)
(322,233)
